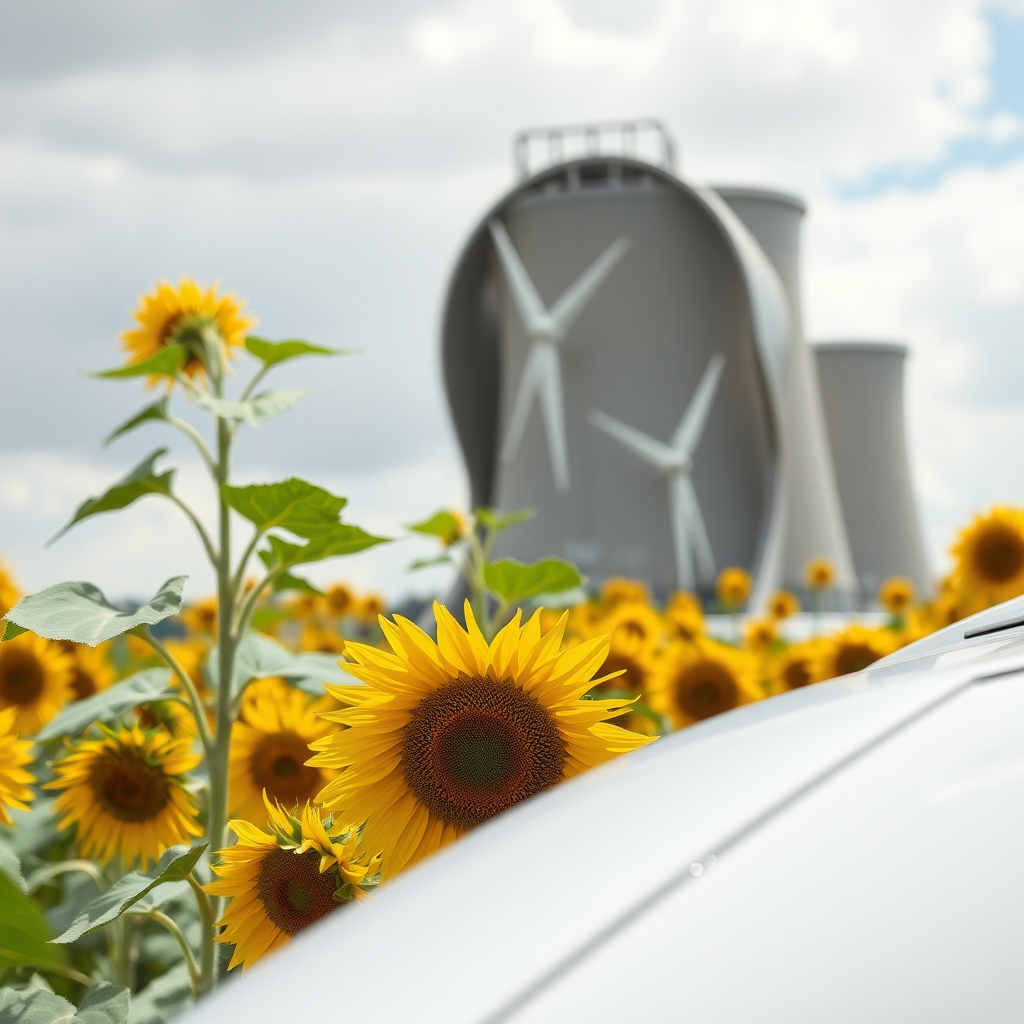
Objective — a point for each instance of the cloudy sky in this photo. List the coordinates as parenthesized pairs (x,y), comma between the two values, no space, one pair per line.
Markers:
(327,159)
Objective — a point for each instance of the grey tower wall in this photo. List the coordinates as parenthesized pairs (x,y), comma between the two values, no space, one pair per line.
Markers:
(814,520)
(637,352)
(862,387)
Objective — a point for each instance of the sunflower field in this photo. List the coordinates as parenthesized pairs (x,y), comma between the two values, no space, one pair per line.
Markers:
(185,786)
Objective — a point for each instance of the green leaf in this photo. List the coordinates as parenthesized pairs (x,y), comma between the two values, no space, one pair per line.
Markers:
(142,688)
(166,363)
(512,581)
(35,1006)
(270,353)
(426,563)
(142,480)
(498,521)
(11,630)
(253,411)
(294,505)
(10,865)
(79,612)
(104,1004)
(440,524)
(340,540)
(163,998)
(24,935)
(128,892)
(286,581)
(156,411)
(259,656)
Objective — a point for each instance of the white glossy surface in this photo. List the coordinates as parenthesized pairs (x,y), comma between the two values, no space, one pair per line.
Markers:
(472,932)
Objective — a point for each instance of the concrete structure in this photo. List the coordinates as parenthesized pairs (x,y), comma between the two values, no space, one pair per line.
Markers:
(587,305)
(862,388)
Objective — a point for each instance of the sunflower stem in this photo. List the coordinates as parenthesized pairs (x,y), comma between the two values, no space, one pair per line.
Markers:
(198,711)
(200,529)
(209,920)
(194,976)
(226,646)
(196,438)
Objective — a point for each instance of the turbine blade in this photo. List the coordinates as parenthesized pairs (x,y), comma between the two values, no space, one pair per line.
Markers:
(554,413)
(528,385)
(680,537)
(579,293)
(691,426)
(653,452)
(695,526)
(531,309)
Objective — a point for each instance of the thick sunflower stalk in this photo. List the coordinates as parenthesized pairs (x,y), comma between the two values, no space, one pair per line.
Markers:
(151,800)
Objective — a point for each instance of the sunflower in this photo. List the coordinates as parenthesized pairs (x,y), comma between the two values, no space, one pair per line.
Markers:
(684,616)
(10,594)
(338,601)
(201,618)
(585,620)
(795,667)
(270,748)
(127,792)
(733,586)
(326,641)
(853,650)
(178,315)
(989,555)
(783,604)
(635,635)
(171,715)
(285,879)
(702,678)
(35,678)
(304,606)
(819,573)
(14,779)
(616,590)
(90,670)
(368,607)
(896,595)
(443,736)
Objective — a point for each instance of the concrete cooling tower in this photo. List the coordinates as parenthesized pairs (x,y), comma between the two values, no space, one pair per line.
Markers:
(623,353)
(862,388)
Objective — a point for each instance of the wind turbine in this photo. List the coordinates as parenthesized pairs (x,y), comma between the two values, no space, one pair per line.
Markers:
(675,460)
(542,374)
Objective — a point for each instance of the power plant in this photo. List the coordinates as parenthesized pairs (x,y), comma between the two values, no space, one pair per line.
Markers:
(624,353)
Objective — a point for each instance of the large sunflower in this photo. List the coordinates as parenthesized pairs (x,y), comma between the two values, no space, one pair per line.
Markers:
(796,666)
(35,678)
(270,748)
(176,314)
(697,679)
(283,880)
(90,670)
(443,736)
(636,632)
(852,650)
(127,793)
(14,779)
(10,594)
(989,556)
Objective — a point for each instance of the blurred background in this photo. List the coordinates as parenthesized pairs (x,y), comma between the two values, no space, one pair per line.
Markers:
(326,161)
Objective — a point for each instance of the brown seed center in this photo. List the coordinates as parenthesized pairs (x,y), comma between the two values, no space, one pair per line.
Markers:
(475,747)
(796,674)
(1000,554)
(83,684)
(854,658)
(705,689)
(292,890)
(632,677)
(21,677)
(278,766)
(129,788)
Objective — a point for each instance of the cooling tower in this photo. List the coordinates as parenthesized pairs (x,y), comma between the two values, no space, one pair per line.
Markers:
(814,513)
(862,391)
(693,283)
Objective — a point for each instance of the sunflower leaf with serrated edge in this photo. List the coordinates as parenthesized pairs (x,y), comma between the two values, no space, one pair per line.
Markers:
(173,867)
(342,539)
(253,411)
(35,1006)
(142,480)
(156,411)
(286,581)
(144,687)
(78,611)
(259,657)
(24,935)
(513,581)
(104,1003)
(166,363)
(270,353)
(294,505)
(498,521)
